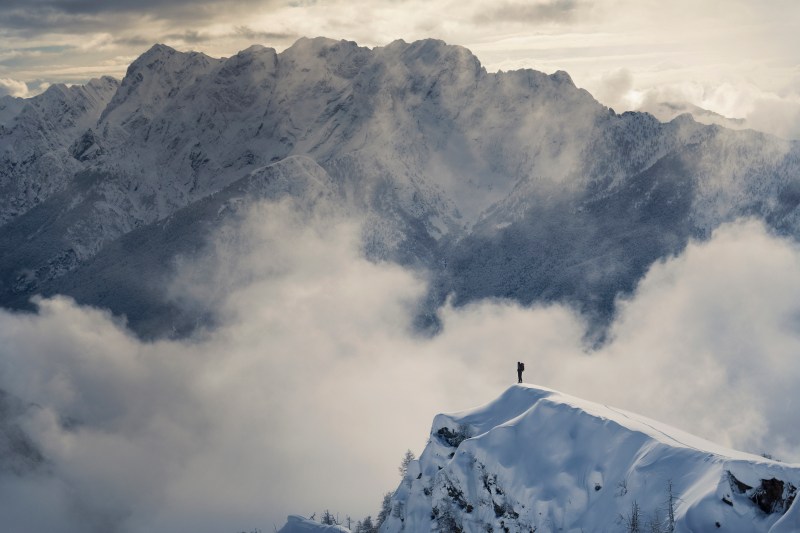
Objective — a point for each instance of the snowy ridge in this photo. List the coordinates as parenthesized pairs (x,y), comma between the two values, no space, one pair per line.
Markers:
(538,460)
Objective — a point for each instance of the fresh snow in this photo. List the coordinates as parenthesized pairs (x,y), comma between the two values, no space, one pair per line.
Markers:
(539,460)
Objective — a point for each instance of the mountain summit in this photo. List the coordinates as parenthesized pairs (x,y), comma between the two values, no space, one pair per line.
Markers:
(538,460)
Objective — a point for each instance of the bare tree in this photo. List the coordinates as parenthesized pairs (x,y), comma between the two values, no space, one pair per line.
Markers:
(670,508)
(634,519)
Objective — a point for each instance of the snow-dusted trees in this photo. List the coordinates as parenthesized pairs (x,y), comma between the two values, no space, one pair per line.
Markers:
(386,507)
(365,526)
(328,519)
(407,458)
(654,523)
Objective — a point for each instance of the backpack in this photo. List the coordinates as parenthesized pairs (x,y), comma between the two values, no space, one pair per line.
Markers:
(522,367)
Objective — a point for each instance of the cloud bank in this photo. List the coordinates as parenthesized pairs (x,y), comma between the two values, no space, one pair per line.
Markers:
(308,394)
(9,87)
(732,105)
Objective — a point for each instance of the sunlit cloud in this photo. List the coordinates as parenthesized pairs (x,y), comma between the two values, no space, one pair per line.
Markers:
(9,87)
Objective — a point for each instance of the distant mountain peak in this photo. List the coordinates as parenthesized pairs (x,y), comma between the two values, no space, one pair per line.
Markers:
(433,50)
(161,57)
(255,49)
(103,81)
(159,49)
(320,43)
(562,77)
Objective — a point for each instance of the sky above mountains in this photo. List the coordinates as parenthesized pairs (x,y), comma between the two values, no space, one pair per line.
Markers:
(312,387)
(733,58)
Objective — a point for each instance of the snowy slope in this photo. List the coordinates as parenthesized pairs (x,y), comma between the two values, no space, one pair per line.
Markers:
(538,460)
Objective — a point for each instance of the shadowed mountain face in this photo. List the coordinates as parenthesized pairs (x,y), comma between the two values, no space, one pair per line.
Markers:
(516,185)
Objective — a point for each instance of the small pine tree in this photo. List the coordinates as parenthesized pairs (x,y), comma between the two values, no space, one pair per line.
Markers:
(367,526)
(328,519)
(386,509)
(407,458)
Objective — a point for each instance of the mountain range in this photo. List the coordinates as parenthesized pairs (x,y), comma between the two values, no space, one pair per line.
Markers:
(515,185)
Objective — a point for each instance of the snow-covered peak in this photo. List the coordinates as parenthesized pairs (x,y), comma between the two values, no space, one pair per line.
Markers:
(158,75)
(304,44)
(433,50)
(322,57)
(157,52)
(76,105)
(306,49)
(432,56)
(102,84)
(538,460)
(562,77)
(36,136)
(53,119)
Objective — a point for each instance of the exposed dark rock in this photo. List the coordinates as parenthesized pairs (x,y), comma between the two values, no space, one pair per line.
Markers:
(453,437)
(771,495)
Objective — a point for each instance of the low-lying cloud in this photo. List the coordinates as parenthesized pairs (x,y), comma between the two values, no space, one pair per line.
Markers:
(308,394)
(736,106)
(9,87)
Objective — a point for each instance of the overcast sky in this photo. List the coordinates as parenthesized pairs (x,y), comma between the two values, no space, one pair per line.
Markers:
(310,392)
(737,58)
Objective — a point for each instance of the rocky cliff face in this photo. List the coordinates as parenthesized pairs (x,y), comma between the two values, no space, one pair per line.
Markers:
(512,184)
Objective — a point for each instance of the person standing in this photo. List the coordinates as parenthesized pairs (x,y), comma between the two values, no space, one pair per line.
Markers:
(520,370)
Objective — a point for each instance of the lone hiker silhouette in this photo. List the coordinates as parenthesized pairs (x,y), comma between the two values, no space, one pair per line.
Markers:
(520,370)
